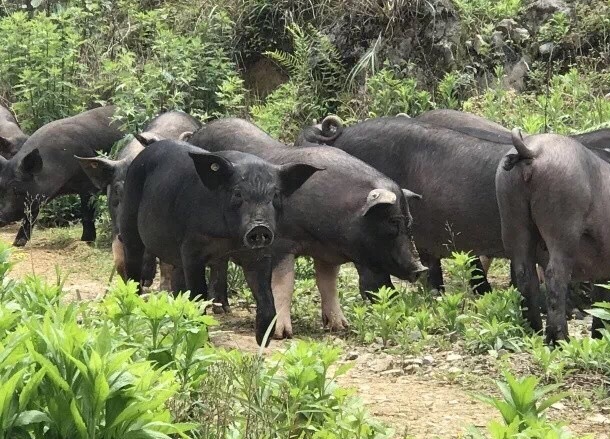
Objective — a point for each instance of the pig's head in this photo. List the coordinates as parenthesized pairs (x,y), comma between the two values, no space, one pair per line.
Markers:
(110,175)
(251,191)
(10,146)
(384,233)
(19,185)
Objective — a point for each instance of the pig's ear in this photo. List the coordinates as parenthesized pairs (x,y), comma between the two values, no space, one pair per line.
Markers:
(409,195)
(293,175)
(376,198)
(99,170)
(214,170)
(31,163)
(185,136)
(6,146)
(147,138)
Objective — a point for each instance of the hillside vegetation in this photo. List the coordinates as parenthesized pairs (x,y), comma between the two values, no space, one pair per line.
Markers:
(120,365)
(540,64)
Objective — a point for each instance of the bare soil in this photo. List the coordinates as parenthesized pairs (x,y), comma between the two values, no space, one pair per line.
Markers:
(425,403)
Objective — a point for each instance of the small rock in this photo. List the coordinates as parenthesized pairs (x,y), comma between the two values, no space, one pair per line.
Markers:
(546,48)
(599,419)
(351,356)
(428,360)
(479,45)
(605,410)
(365,358)
(506,25)
(454,370)
(558,406)
(454,357)
(497,39)
(381,364)
(392,372)
(415,335)
(540,10)
(416,361)
(607,97)
(454,402)
(519,35)
(412,368)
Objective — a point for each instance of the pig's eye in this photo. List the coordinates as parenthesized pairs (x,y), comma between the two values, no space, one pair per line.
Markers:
(236,198)
(396,223)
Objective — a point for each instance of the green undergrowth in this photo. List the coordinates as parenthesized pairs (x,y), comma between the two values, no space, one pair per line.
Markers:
(130,366)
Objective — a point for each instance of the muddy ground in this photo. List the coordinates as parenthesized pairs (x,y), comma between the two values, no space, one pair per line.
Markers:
(422,397)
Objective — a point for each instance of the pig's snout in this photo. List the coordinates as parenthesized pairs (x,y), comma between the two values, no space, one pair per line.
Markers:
(258,236)
(419,273)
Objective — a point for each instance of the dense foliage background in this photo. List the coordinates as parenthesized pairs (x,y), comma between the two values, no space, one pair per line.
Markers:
(538,64)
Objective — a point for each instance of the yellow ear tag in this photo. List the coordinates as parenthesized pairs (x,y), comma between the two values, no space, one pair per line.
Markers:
(215,167)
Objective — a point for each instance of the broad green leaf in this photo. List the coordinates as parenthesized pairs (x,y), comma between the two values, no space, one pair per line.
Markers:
(145,434)
(30,417)
(101,390)
(600,313)
(7,391)
(30,387)
(78,420)
(51,370)
(551,400)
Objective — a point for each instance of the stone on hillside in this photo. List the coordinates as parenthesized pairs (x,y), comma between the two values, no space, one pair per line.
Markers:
(519,35)
(506,25)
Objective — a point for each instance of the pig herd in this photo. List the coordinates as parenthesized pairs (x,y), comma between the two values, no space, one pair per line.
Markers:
(387,194)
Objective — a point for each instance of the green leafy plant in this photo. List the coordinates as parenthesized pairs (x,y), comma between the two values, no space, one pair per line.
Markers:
(522,406)
(315,69)
(385,94)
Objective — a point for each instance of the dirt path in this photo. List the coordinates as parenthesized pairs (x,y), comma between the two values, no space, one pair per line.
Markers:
(419,404)
(86,269)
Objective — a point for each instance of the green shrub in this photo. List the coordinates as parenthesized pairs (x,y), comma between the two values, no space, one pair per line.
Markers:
(573,105)
(522,406)
(62,379)
(43,78)
(316,76)
(385,94)
(292,395)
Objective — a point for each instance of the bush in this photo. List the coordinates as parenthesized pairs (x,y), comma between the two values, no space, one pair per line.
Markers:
(385,94)
(63,379)
(130,366)
(573,105)
(404,318)
(522,407)
(316,75)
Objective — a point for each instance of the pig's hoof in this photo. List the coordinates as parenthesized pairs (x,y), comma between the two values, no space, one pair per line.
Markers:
(555,335)
(89,238)
(282,330)
(335,321)
(218,308)
(20,242)
(147,282)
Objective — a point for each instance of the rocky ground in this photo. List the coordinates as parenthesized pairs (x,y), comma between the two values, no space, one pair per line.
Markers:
(424,396)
